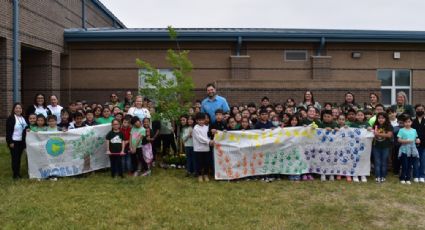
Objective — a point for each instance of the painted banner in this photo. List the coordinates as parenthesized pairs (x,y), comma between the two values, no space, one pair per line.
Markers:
(68,153)
(292,151)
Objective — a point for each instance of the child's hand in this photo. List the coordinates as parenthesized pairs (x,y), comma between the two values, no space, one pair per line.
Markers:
(108,152)
(369,129)
(11,145)
(418,141)
(213,131)
(212,143)
(336,129)
(328,129)
(122,153)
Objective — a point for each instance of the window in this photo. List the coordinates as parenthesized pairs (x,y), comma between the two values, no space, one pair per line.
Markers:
(295,55)
(142,78)
(392,82)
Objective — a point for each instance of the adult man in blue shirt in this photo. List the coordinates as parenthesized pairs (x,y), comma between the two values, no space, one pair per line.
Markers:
(213,102)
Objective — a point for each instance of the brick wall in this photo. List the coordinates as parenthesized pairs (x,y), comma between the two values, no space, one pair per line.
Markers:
(42,24)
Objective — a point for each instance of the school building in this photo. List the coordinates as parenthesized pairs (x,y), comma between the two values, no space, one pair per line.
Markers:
(78,49)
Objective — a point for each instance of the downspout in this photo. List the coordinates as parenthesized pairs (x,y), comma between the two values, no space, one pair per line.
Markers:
(15,73)
(321,47)
(239,46)
(84,19)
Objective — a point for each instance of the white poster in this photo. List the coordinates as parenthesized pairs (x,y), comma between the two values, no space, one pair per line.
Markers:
(292,151)
(68,153)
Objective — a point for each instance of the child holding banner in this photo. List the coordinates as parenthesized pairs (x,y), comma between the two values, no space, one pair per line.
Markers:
(327,123)
(293,121)
(40,124)
(32,120)
(52,123)
(115,148)
(311,118)
(201,147)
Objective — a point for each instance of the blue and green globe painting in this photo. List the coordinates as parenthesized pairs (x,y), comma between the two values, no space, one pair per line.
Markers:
(55,146)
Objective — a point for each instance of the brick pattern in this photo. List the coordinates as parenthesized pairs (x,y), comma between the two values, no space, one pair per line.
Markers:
(321,67)
(41,27)
(238,96)
(6,93)
(240,66)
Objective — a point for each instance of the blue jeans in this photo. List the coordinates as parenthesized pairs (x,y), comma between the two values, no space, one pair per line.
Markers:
(126,162)
(406,167)
(380,156)
(190,160)
(420,169)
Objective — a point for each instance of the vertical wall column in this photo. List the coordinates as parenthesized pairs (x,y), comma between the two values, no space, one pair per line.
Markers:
(321,67)
(240,67)
(6,79)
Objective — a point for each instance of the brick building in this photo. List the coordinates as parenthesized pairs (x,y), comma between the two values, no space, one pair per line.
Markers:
(79,50)
(40,48)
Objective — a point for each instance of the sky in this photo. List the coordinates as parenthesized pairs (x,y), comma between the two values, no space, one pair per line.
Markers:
(307,14)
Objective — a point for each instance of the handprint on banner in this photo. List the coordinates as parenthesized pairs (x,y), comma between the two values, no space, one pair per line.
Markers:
(341,158)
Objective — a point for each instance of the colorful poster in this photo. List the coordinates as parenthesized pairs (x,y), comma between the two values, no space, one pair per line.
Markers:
(292,151)
(70,153)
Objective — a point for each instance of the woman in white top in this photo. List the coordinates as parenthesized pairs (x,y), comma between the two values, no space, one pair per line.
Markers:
(55,108)
(39,106)
(15,137)
(138,109)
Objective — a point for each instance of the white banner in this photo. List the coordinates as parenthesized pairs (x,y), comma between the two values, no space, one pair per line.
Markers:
(292,151)
(68,153)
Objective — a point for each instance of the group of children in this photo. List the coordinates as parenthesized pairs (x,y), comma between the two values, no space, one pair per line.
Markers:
(132,142)
(393,133)
(129,146)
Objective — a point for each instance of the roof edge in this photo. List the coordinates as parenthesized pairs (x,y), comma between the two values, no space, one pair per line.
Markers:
(108,13)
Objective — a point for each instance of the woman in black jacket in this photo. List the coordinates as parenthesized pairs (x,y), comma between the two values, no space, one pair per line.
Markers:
(15,137)
(39,106)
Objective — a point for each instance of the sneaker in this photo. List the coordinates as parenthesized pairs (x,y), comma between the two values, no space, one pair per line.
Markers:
(147,173)
(137,173)
(356,179)
(331,178)
(349,179)
(323,177)
(338,177)
(364,179)
(402,182)
(383,179)
(378,180)
(408,182)
(305,177)
(310,177)
(422,180)
(200,179)
(206,178)
(416,180)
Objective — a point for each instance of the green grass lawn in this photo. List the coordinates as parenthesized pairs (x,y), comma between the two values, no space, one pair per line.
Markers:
(168,200)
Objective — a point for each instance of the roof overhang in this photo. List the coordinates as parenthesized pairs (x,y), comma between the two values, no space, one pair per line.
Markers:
(233,34)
